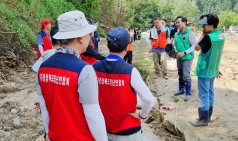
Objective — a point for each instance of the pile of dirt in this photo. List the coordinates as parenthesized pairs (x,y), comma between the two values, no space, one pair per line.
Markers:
(18,123)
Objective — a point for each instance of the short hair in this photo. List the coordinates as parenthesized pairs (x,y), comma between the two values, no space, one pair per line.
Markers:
(115,47)
(183,19)
(53,31)
(164,20)
(212,19)
(156,18)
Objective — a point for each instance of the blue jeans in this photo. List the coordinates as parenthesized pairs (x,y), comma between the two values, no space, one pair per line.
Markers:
(206,93)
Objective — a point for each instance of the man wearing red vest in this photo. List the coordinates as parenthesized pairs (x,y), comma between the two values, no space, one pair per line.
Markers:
(159,38)
(70,108)
(91,55)
(43,38)
(119,84)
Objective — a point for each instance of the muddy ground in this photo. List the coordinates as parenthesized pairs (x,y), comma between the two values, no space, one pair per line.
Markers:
(20,122)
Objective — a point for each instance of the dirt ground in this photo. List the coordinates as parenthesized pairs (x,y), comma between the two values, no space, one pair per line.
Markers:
(20,122)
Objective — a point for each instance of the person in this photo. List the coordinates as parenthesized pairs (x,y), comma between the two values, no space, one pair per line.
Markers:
(135,33)
(164,23)
(128,56)
(184,41)
(69,108)
(139,33)
(118,84)
(43,38)
(91,55)
(96,39)
(53,31)
(210,46)
(172,25)
(224,29)
(159,37)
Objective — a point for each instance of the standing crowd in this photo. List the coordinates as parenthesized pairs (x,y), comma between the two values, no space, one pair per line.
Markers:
(86,96)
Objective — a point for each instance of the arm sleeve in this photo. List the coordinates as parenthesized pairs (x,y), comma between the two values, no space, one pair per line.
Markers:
(143,91)
(39,40)
(93,53)
(44,112)
(96,122)
(41,49)
(88,86)
(192,40)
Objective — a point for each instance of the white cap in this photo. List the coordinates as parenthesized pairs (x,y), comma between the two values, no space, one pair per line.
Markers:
(202,21)
(73,24)
(47,54)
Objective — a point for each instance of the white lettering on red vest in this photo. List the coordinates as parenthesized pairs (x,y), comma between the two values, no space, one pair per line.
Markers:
(111,82)
(56,79)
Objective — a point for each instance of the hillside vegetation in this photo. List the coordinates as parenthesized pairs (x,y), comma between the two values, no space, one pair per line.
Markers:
(24,16)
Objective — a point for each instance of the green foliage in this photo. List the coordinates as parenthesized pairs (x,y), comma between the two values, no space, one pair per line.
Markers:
(24,16)
(227,18)
(101,32)
(176,99)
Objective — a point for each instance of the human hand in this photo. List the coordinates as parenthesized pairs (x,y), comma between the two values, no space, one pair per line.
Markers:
(150,50)
(180,54)
(219,75)
(47,138)
(37,105)
(135,115)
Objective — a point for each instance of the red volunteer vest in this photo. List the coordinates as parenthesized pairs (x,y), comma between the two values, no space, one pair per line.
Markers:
(58,78)
(47,42)
(116,97)
(90,60)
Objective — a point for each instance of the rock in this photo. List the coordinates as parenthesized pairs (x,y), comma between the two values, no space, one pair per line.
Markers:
(7,134)
(22,108)
(14,111)
(2,134)
(16,121)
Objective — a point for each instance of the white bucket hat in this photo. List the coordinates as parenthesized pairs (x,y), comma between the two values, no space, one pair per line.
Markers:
(44,57)
(73,24)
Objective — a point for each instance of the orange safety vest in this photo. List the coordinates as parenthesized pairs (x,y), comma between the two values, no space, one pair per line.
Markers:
(161,41)
(129,46)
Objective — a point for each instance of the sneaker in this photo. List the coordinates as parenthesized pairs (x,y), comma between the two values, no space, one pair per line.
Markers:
(157,75)
(165,76)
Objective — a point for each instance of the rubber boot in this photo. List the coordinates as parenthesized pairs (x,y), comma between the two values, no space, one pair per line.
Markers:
(180,91)
(203,118)
(188,90)
(210,114)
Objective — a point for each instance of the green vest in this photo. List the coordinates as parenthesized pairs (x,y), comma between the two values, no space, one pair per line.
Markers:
(208,64)
(182,43)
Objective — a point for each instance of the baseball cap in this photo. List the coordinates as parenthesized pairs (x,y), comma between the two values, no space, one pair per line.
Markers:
(73,24)
(90,21)
(203,21)
(44,22)
(47,54)
(120,36)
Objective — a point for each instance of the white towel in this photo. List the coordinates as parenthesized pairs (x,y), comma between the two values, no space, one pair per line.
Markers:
(154,33)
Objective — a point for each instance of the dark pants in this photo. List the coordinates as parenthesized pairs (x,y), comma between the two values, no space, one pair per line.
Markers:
(184,67)
(128,57)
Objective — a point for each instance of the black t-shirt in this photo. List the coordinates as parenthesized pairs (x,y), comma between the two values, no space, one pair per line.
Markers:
(205,44)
